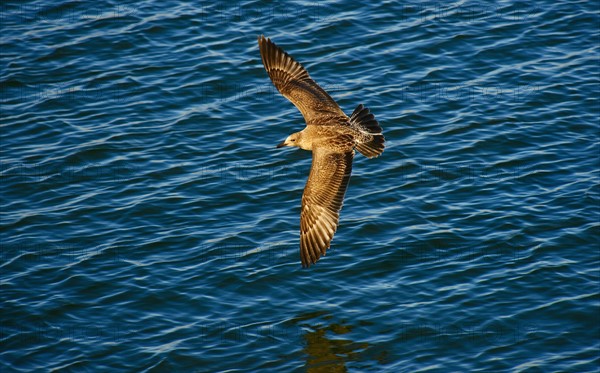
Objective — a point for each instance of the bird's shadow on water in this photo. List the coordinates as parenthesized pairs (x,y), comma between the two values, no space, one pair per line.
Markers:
(328,345)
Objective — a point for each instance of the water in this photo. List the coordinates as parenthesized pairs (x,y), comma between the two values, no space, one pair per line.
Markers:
(149,223)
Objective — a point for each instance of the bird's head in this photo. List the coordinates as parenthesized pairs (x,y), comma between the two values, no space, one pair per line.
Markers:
(291,140)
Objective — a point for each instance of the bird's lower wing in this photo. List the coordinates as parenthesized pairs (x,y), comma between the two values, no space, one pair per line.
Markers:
(322,201)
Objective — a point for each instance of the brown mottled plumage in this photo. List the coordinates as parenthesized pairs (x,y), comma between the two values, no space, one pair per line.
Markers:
(331,136)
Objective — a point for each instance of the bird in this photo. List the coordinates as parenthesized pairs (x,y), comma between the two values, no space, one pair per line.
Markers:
(332,136)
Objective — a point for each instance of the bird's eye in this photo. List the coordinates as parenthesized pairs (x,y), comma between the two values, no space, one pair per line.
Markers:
(293,140)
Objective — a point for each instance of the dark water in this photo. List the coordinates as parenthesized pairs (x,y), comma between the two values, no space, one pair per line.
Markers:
(149,223)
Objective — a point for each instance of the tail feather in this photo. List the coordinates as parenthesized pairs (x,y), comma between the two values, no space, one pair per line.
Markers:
(373,142)
(363,118)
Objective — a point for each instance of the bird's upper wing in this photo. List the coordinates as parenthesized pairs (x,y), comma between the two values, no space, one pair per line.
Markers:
(294,83)
(322,201)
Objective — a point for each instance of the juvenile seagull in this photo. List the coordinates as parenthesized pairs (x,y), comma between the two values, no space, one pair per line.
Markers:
(331,136)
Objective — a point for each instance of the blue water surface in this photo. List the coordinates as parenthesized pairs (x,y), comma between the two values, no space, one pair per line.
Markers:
(149,224)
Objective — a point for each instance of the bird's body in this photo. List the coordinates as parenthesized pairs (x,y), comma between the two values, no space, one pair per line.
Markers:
(317,136)
(332,137)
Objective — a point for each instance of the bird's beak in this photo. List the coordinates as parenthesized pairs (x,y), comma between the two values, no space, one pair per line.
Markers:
(281,144)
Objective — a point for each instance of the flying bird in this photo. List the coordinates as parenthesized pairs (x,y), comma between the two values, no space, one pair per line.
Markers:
(332,137)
